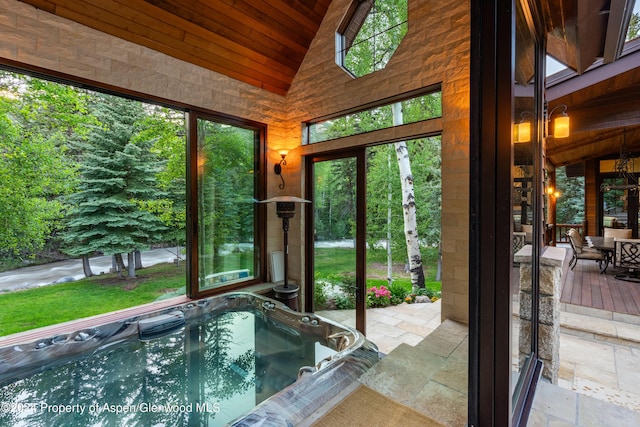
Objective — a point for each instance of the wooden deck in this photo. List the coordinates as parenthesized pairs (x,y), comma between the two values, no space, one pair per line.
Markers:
(585,286)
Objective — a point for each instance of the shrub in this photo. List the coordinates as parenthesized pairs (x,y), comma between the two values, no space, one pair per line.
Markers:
(398,294)
(378,297)
(345,302)
(319,296)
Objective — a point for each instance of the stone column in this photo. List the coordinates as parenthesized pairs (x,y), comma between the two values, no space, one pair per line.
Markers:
(551,264)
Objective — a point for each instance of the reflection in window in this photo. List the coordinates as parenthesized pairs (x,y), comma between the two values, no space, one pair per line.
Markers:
(633,31)
(226,203)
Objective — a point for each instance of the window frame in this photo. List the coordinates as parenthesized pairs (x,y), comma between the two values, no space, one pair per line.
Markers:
(350,27)
(306,126)
(191,114)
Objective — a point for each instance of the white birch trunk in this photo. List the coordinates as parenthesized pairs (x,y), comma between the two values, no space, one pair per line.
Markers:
(408,205)
(389,197)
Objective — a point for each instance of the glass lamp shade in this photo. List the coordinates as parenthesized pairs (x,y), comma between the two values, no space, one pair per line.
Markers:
(561,127)
(523,132)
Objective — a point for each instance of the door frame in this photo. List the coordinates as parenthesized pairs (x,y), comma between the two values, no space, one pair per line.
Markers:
(361,231)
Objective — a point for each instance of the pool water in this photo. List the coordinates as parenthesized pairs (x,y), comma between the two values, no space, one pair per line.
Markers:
(213,369)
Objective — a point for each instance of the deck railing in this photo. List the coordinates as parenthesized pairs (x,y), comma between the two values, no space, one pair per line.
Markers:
(561,231)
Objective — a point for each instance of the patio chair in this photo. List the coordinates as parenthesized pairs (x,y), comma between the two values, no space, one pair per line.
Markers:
(518,242)
(627,256)
(623,233)
(582,252)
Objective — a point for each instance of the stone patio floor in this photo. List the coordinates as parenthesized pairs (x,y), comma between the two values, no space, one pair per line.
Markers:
(599,379)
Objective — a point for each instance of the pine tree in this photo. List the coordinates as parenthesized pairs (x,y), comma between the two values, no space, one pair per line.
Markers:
(118,173)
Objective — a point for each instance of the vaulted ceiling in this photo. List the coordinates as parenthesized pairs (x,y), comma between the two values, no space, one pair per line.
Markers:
(260,42)
(263,43)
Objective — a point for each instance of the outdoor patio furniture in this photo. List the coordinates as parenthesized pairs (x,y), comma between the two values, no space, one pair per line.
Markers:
(609,221)
(623,233)
(518,242)
(627,256)
(583,252)
(604,245)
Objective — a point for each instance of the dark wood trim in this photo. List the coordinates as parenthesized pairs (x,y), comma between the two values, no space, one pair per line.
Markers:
(192,206)
(260,265)
(492,74)
(361,241)
(361,217)
(309,276)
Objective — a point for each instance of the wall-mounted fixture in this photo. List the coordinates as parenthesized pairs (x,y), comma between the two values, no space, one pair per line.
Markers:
(522,130)
(560,123)
(277,168)
(551,192)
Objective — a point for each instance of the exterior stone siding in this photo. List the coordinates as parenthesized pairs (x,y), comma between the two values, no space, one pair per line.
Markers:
(551,276)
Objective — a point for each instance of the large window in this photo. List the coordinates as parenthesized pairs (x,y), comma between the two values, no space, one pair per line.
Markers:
(227,245)
(135,200)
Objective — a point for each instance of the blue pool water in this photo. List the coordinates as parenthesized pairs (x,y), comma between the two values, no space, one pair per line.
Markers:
(217,365)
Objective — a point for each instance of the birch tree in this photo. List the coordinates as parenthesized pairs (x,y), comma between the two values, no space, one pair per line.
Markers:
(408,205)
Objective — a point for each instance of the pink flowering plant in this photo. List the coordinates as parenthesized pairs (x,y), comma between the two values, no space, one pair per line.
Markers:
(378,297)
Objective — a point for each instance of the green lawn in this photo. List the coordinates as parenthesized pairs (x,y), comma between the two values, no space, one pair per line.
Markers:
(48,305)
(335,261)
(34,308)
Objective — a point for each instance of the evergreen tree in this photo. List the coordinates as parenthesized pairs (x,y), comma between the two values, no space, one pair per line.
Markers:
(570,206)
(118,173)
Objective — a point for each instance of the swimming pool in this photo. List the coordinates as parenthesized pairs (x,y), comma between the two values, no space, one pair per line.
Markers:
(237,358)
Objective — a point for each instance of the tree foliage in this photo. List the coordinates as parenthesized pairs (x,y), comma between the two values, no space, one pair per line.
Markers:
(570,204)
(378,37)
(117,176)
(37,119)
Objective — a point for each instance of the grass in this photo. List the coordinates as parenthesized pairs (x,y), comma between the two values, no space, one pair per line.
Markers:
(48,305)
(337,266)
(334,261)
(34,308)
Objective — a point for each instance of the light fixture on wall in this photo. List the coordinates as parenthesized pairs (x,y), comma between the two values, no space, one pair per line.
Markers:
(277,168)
(560,123)
(551,192)
(286,209)
(522,130)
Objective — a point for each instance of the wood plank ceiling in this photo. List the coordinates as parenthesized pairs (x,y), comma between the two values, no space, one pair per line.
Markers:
(264,42)
(601,89)
(261,42)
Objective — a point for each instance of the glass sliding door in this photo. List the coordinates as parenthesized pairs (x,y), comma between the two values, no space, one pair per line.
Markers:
(224,202)
(336,254)
(527,209)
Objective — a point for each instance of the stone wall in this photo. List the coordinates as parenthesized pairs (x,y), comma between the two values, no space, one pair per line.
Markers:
(434,51)
(551,276)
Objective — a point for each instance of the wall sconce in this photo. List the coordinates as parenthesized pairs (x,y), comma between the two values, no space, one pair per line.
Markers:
(553,193)
(277,168)
(560,123)
(523,129)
